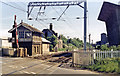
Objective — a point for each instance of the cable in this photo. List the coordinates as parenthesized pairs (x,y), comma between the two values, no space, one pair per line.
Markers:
(20,10)
(68,23)
(13,3)
(69,20)
(12,6)
(31,14)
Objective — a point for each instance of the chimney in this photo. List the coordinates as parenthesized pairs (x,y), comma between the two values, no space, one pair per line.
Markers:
(21,21)
(119,3)
(51,26)
(14,21)
(56,34)
(59,36)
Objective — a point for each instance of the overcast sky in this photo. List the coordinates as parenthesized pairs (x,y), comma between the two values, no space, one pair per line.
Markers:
(68,25)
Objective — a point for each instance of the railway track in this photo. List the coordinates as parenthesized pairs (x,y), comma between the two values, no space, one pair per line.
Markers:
(57,58)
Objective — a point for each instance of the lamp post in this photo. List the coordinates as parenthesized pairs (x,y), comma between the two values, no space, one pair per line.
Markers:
(89,41)
(68,43)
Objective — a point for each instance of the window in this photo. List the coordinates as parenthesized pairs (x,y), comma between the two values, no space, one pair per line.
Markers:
(28,34)
(21,34)
(25,34)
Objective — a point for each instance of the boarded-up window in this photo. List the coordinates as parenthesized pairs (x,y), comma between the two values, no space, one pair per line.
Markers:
(28,34)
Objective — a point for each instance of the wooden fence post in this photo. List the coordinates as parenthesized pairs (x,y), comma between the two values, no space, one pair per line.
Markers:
(101,55)
(73,58)
(94,54)
(18,52)
(111,53)
(25,52)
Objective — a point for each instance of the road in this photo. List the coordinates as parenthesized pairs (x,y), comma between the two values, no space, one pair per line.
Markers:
(34,66)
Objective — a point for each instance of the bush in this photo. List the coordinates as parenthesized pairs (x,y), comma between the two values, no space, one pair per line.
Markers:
(104,48)
(109,65)
(118,47)
(62,49)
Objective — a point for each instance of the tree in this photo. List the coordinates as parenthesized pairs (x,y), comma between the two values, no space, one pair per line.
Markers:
(53,40)
(104,48)
(64,39)
(72,42)
(118,47)
(113,47)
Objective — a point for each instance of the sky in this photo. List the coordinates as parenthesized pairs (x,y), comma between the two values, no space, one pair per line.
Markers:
(68,25)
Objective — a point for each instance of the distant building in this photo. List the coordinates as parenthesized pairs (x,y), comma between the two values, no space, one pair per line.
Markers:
(119,3)
(110,14)
(4,43)
(29,37)
(98,43)
(103,38)
(60,42)
(49,32)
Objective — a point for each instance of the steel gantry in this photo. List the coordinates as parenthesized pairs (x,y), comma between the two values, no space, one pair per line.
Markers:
(43,4)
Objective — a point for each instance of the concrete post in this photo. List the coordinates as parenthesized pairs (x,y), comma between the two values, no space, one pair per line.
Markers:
(85,24)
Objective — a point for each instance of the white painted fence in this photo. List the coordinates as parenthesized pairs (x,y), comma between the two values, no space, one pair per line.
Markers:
(99,55)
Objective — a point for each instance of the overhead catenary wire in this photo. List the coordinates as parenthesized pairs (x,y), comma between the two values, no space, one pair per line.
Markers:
(13,6)
(68,23)
(40,21)
(23,11)
(13,3)
(19,10)
(26,12)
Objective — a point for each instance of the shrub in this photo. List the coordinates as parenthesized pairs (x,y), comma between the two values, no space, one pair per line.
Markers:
(106,65)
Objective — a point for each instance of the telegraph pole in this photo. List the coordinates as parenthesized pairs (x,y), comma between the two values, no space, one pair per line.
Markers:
(68,43)
(85,24)
(92,45)
(89,41)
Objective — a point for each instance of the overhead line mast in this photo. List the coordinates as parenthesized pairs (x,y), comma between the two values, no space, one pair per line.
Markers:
(31,5)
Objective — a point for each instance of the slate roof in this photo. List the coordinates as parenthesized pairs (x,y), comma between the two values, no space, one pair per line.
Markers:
(51,31)
(44,40)
(31,28)
(107,9)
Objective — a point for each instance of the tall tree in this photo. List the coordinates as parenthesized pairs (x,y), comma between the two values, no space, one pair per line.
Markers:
(53,40)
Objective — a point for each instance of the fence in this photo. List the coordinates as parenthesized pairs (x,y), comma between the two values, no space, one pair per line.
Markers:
(21,52)
(82,58)
(99,55)
(88,57)
(7,51)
